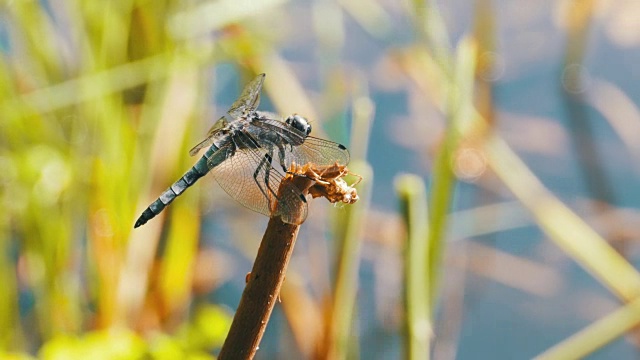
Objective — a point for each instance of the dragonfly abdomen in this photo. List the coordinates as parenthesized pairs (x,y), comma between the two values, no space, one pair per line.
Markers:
(198,170)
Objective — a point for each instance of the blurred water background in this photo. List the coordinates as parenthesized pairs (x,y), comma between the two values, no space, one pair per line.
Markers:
(519,117)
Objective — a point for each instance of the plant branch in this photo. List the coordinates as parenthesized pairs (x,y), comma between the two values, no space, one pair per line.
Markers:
(261,292)
(266,278)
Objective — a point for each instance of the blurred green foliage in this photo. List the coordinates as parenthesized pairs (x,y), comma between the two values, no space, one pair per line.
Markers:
(90,93)
(83,85)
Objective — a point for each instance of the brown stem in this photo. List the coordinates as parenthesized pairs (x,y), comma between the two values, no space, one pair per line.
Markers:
(270,267)
(261,292)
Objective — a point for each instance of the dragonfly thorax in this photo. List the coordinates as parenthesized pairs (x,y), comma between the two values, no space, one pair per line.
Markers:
(299,123)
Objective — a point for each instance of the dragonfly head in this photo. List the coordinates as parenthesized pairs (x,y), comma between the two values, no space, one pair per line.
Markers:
(299,123)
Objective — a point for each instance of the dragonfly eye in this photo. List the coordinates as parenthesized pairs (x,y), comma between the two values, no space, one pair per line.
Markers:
(299,123)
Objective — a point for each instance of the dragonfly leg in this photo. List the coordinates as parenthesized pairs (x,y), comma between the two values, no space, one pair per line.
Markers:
(265,164)
(281,155)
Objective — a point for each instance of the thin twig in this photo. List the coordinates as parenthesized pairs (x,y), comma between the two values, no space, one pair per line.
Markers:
(270,267)
(261,292)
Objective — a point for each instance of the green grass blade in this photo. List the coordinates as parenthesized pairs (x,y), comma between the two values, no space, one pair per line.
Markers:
(349,237)
(459,103)
(418,322)
(563,226)
(596,335)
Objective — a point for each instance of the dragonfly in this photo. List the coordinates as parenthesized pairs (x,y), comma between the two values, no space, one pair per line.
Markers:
(248,153)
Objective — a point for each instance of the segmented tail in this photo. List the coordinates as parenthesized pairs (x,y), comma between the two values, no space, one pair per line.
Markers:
(189,178)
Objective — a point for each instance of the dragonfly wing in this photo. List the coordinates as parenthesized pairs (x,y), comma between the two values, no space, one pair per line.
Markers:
(248,101)
(318,151)
(208,141)
(248,177)
(249,98)
(303,150)
(201,145)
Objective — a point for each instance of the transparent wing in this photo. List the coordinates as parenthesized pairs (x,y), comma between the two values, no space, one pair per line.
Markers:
(249,98)
(248,101)
(303,150)
(248,177)
(208,141)
(318,151)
